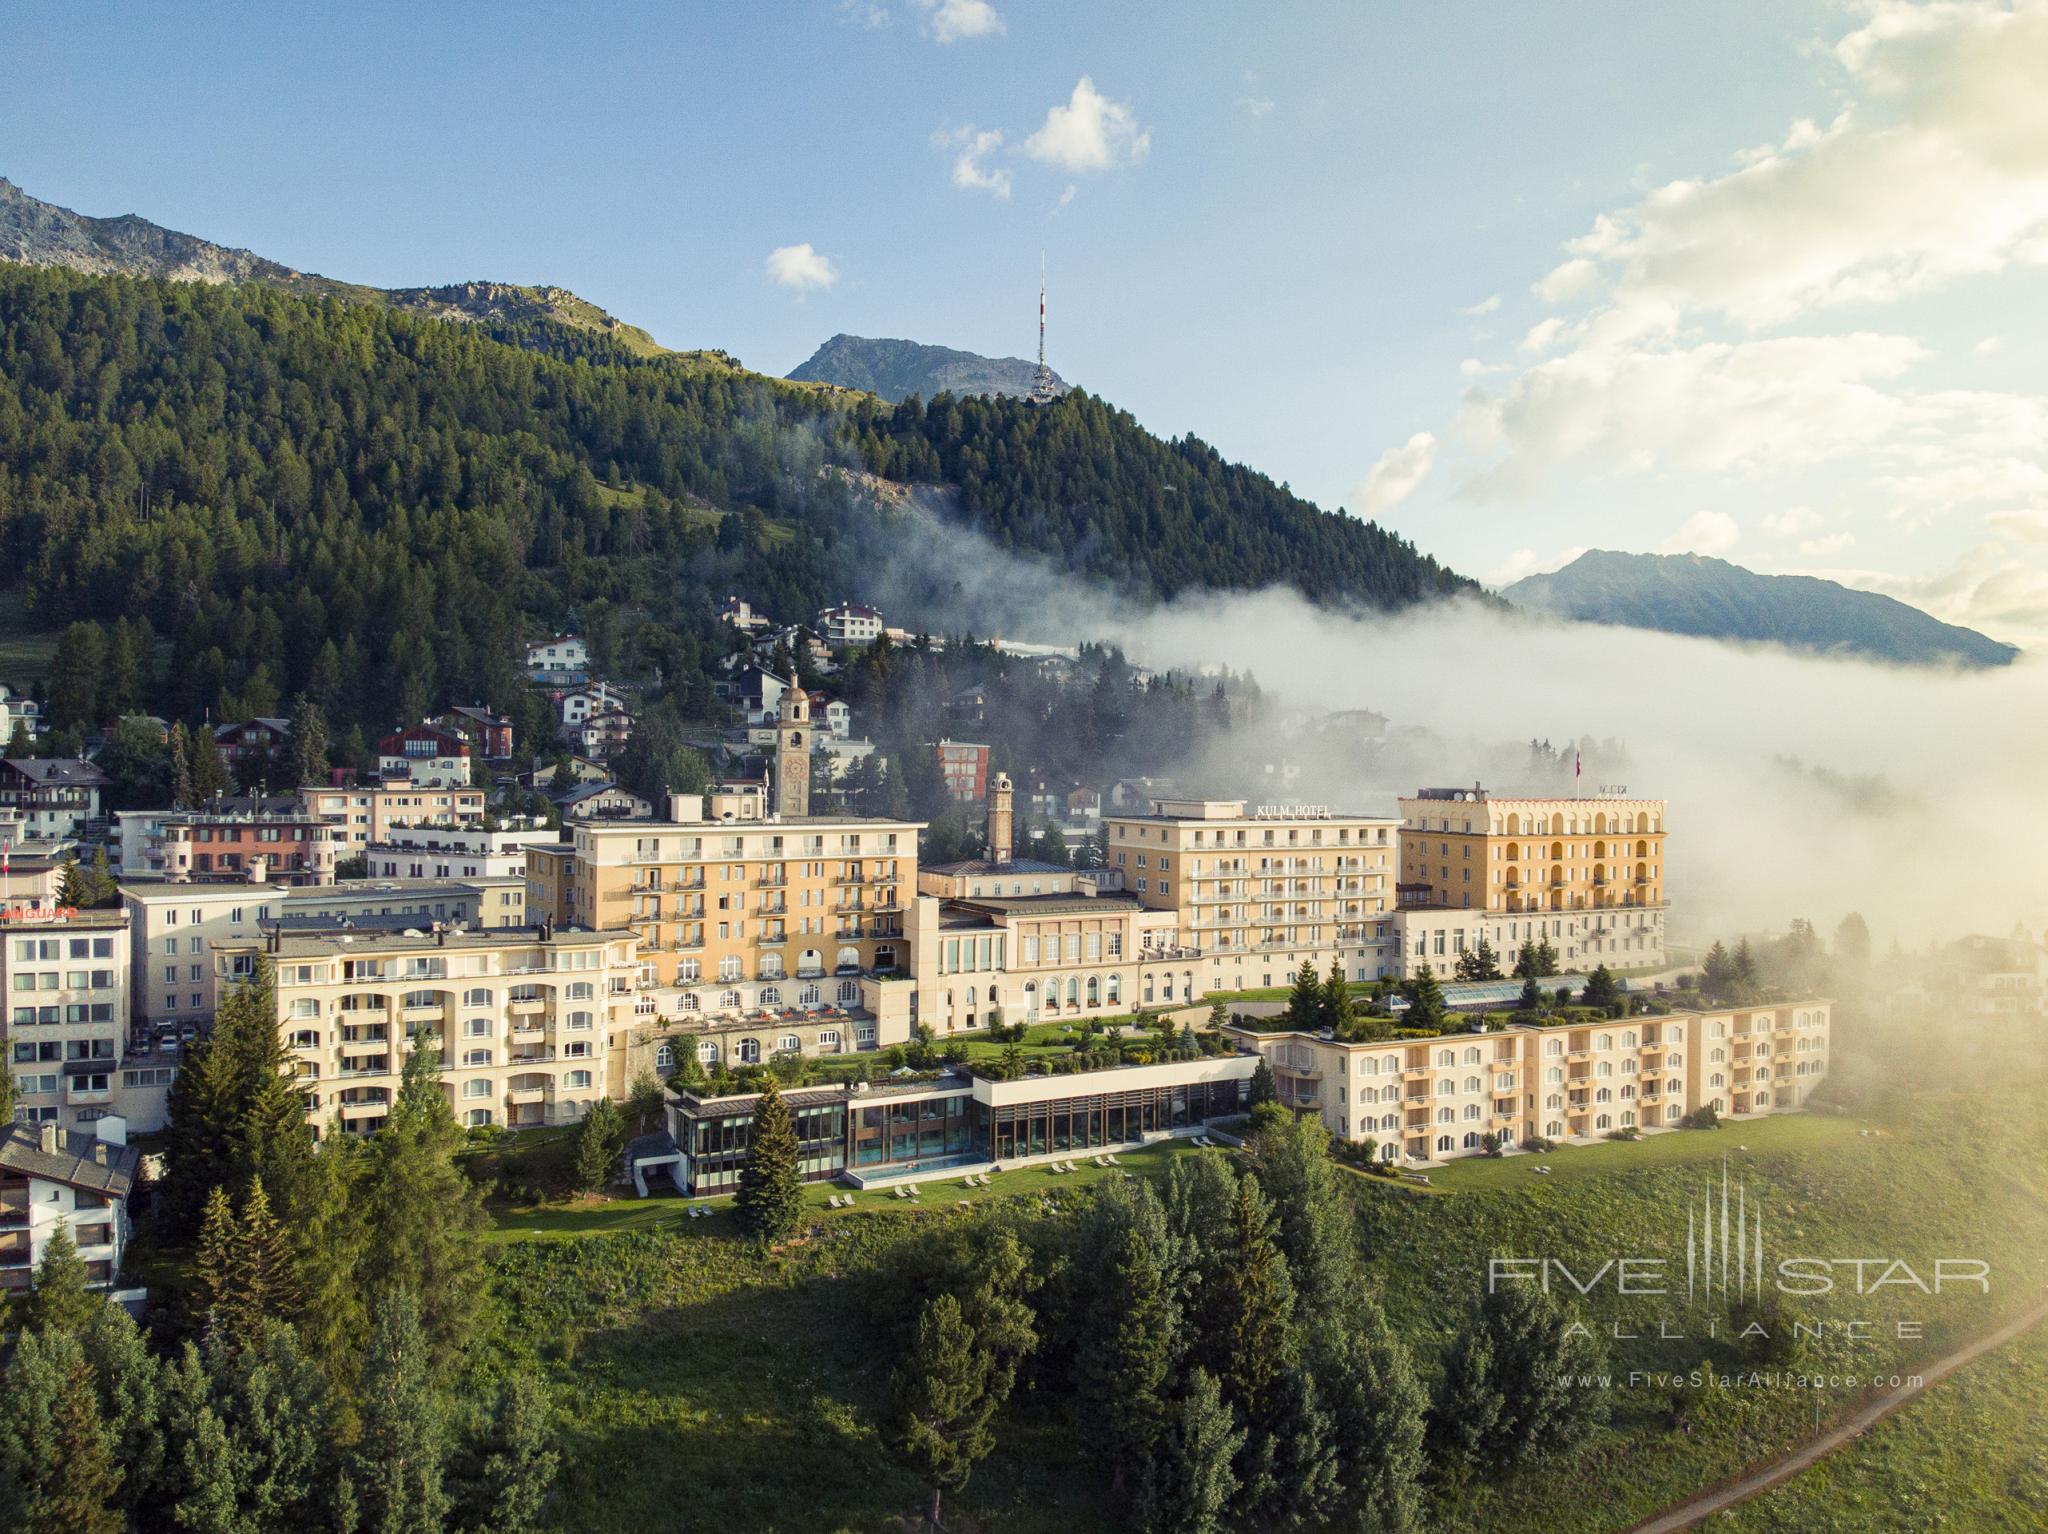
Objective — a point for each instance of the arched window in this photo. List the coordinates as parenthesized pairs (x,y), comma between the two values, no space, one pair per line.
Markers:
(770,996)
(1472,1057)
(1628,1039)
(689,1002)
(729,1001)
(1471,1139)
(849,958)
(1474,1111)
(1116,990)
(1628,1118)
(1443,1142)
(1554,1130)
(476,1088)
(1447,1115)
(1095,990)
(664,1057)
(1554,1100)
(1073,990)
(1628,1090)
(1474,1084)
(1446,1087)
(849,993)
(1604,1041)
(1446,1057)
(810,996)
(1603,1096)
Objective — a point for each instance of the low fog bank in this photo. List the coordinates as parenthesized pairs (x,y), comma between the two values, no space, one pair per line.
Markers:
(1799,786)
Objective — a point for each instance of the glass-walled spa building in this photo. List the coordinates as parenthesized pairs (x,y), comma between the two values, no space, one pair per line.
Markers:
(884,1132)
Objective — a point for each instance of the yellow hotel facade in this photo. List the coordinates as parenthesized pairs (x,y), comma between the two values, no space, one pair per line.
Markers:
(1426,1100)
(754,936)
(1587,874)
(1256,890)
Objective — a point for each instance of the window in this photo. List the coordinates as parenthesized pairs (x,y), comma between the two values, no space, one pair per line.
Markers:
(477,1028)
(578,1081)
(479,1118)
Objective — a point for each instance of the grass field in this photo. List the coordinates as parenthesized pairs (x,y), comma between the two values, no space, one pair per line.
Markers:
(1761,1137)
(1969,1457)
(24,651)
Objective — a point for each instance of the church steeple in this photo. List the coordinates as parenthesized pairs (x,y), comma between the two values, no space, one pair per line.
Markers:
(793,753)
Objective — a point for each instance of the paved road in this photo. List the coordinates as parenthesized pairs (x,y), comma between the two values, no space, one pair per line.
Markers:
(1689,1513)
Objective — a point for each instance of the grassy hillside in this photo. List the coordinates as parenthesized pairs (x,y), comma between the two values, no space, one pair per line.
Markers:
(1969,1457)
(700,1375)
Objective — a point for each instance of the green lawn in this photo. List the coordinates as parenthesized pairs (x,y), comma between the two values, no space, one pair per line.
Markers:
(1969,1457)
(1792,1132)
(669,1212)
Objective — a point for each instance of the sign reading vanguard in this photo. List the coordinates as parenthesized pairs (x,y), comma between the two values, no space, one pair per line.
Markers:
(1725,1256)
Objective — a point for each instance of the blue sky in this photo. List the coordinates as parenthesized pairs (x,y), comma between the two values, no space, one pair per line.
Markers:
(1337,243)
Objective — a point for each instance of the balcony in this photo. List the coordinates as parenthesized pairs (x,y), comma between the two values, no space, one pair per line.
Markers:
(421,1012)
(376,1044)
(526,1006)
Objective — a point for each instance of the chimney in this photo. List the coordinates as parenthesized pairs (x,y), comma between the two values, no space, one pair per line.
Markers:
(47,1139)
(99,1152)
(1000,832)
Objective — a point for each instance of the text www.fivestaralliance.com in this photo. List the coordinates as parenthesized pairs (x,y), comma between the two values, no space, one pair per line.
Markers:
(1755,1379)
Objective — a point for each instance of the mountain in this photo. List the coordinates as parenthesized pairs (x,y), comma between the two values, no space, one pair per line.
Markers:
(38,233)
(1711,598)
(895,370)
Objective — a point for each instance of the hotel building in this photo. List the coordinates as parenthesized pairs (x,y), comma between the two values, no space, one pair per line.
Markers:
(523,1017)
(1587,874)
(1431,1099)
(52,1180)
(756,936)
(370,812)
(1255,892)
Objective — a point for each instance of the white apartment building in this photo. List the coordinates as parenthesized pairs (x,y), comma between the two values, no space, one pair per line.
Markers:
(18,710)
(523,1017)
(175,929)
(52,1179)
(371,812)
(1621,937)
(456,852)
(66,982)
(849,623)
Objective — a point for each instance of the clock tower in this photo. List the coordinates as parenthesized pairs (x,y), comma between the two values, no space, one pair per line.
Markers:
(793,753)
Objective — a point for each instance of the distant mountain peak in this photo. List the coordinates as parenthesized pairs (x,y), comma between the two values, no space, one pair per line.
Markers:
(897,369)
(38,233)
(1710,598)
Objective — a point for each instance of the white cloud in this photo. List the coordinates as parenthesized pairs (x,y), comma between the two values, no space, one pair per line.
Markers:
(863,13)
(1985,588)
(1088,131)
(1472,367)
(1704,532)
(1397,474)
(1066,196)
(971,149)
(801,268)
(949,21)
(1255,106)
(1834,543)
(1574,279)
(1938,170)
(1527,562)
(1990,346)
(1543,335)
(1485,305)
(1790,522)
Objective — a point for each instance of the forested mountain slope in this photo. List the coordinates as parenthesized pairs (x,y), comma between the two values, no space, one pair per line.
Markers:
(311,495)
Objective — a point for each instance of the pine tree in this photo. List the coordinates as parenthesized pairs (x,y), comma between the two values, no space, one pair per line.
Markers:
(1466,1416)
(129,1382)
(275,1409)
(8,1091)
(1193,1480)
(1745,965)
(101,888)
(771,1194)
(329,1235)
(600,1140)
(209,773)
(1264,1089)
(216,1283)
(1604,992)
(1425,999)
(1336,1003)
(57,1468)
(1379,1412)
(502,1479)
(1305,1003)
(62,1299)
(264,1261)
(1546,956)
(1316,1228)
(647,1101)
(937,1422)
(1480,963)
(71,886)
(1531,999)
(1249,1318)
(306,750)
(1525,961)
(1128,1346)
(425,1219)
(1510,1389)
(396,1467)
(82,1498)
(182,792)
